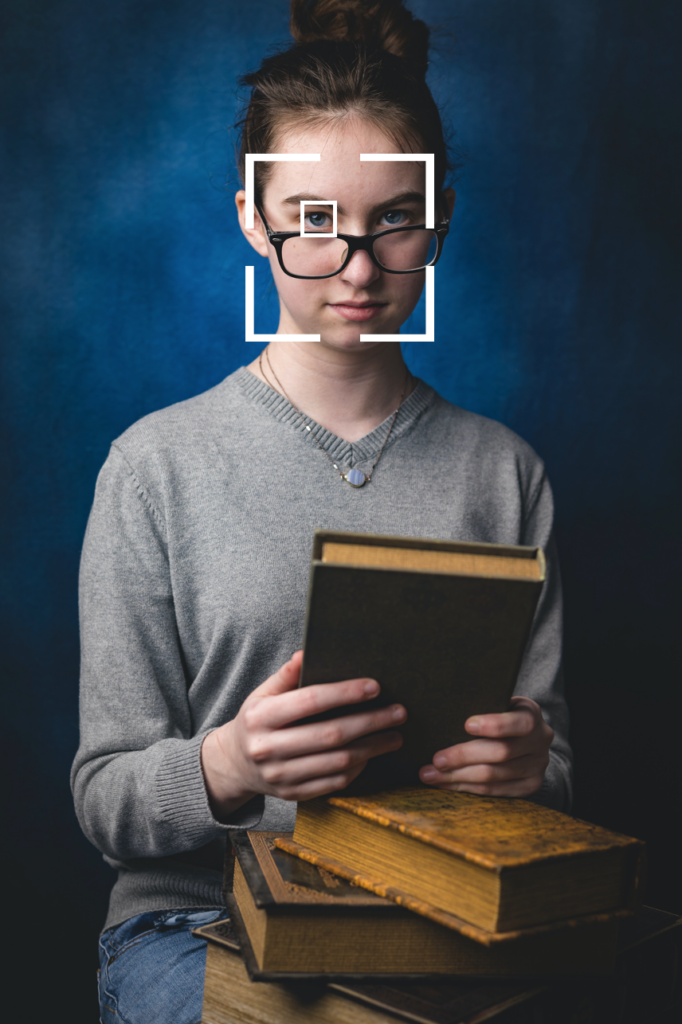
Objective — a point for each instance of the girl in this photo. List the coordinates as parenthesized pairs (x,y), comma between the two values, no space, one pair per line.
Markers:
(195,563)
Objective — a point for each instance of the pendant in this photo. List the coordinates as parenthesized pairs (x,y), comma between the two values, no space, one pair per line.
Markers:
(355,478)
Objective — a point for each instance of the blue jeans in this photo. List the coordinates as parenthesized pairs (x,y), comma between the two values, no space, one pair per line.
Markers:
(152,968)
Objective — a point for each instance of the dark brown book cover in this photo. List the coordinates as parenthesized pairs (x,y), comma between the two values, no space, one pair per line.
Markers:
(282,883)
(446,645)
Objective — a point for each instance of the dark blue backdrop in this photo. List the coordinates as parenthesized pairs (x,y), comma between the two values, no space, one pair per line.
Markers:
(558,313)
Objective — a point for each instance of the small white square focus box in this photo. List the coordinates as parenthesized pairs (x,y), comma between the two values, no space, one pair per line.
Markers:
(316,234)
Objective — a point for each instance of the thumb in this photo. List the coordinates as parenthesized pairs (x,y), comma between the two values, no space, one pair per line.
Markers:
(284,679)
(525,704)
(530,706)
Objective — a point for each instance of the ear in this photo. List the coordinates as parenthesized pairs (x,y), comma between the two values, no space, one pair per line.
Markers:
(449,200)
(256,235)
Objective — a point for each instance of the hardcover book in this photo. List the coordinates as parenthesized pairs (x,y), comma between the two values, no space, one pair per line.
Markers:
(441,625)
(295,920)
(486,866)
(648,951)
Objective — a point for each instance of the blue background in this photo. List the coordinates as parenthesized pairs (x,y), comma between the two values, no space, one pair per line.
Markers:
(557,311)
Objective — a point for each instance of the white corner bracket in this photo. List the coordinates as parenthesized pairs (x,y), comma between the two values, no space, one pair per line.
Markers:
(249,221)
(429,334)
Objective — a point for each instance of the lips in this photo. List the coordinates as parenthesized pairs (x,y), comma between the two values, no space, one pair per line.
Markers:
(358,310)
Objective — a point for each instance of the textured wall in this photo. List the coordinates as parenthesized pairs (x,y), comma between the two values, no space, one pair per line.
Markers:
(558,312)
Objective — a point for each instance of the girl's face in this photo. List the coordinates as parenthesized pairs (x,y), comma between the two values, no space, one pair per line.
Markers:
(370,197)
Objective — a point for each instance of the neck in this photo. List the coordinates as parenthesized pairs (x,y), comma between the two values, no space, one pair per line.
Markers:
(348,393)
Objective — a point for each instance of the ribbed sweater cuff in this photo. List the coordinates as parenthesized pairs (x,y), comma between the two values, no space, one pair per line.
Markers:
(552,792)
(183,800)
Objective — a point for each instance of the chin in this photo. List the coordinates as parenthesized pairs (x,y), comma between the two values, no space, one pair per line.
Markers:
(345,343)
(347,337)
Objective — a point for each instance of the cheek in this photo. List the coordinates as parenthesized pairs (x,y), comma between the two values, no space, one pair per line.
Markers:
(406,291)
(295,294)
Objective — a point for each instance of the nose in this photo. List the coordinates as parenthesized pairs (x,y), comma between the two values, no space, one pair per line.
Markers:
(360,272)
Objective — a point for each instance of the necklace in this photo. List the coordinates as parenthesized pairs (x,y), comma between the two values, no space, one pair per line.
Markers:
(354,477)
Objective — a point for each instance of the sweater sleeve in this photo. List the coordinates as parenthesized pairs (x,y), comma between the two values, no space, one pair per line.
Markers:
(137,780)
(541,673)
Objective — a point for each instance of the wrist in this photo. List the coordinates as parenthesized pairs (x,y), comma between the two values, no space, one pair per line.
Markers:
(225,790)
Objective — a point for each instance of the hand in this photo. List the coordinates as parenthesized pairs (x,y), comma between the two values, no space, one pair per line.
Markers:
(261,751)
(509,759)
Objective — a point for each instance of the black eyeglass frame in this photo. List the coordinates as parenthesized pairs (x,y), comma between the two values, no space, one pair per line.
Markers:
(356,243)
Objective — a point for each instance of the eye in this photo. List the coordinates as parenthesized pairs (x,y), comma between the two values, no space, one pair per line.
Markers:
(395,218)
(317,220)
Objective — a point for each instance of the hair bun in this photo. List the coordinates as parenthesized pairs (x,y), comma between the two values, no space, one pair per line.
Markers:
(382,24)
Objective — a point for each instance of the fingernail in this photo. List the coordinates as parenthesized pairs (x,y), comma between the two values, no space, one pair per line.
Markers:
(397,712)
(428,773)
(371,687)
(473,725)
(440,761)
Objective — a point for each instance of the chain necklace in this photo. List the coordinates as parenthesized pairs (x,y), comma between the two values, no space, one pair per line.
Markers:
(354,477)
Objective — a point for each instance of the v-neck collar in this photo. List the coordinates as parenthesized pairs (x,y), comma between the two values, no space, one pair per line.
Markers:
(349,453)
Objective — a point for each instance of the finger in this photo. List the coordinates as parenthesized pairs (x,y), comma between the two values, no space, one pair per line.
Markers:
(333,762)
(483,751)
(285,708)
(518,788)
(519,722)
(507,771)
(284,679)
(319,786)
(299,740)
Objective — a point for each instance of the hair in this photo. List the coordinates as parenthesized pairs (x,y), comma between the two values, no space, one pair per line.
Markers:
(350,59)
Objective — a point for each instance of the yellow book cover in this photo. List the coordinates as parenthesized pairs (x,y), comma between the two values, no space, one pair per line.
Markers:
(499,864)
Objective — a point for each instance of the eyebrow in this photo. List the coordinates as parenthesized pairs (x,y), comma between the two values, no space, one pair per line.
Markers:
(400,197)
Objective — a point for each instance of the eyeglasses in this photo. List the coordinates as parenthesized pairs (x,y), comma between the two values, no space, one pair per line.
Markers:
(403,250)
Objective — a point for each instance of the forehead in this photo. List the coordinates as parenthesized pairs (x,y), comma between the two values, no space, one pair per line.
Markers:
(340,174)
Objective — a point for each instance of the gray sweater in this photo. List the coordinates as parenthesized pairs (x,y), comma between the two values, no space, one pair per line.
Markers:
(194,578)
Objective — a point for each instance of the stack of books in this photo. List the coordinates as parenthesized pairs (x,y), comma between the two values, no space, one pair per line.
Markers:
(311,940)
(419,882)
(389,887)
(644,988)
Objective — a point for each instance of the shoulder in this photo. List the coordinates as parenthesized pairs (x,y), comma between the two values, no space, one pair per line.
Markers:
(184,425)
(170,453)
(473,439)
(493,480)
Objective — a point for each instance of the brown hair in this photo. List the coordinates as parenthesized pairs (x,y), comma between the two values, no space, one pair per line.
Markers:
(350,57)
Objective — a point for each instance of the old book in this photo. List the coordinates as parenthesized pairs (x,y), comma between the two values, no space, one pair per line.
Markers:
(294,919)
(486,866)
(441,625)
(231,996)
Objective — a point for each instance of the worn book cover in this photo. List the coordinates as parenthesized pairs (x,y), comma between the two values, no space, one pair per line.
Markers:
(294,918)
(487,866)
(441,625)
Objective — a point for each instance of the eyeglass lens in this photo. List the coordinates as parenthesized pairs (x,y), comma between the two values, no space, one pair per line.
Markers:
(316,257)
